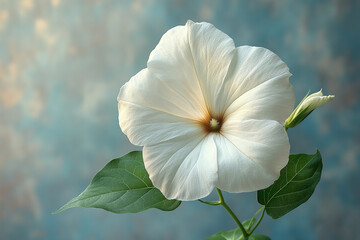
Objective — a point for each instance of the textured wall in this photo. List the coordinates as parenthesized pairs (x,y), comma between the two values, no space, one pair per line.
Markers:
(62,63)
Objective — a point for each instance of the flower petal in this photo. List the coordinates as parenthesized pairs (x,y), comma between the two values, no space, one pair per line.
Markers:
(150,112)
(251,154)
(187,170)
(197,56)
(273,99)
(236,172)
(313,101)
(212,51)
(147,90)
(144,126)
(259,78)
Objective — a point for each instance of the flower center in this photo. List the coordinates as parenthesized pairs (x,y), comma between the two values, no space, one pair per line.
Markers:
(214,125)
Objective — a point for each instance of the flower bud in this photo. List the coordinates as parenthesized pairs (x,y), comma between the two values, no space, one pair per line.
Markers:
(305,107)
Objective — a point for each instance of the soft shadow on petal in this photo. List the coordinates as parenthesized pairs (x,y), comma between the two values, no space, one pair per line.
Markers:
(150,111)
(194,58)
(171,62)
(264,142)
(145,126)
(236,172)
(253,66)
(212,52)
(187,170)
(145,89)
(273,99)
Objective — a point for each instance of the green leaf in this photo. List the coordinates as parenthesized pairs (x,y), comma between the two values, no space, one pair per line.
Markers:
(249,223)
(295,185)
(122,186)
(234,234)
(258,237)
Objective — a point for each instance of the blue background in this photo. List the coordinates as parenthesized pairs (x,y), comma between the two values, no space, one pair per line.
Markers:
(62,63)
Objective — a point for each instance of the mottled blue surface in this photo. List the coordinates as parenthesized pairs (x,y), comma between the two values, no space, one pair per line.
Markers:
(62,63)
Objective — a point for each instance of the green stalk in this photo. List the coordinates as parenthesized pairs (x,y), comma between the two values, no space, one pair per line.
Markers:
(228,209)
(258,222)
(232,214)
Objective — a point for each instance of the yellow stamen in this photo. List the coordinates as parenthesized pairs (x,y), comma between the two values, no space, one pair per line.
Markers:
(214,125)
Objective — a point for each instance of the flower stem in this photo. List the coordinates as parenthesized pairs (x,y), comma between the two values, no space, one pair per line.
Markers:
(232,214)
(228,209)
(212,203)
(262,209)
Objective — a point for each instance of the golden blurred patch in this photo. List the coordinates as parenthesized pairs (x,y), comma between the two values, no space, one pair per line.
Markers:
(26,5)
(42,29)
(41,26)
(55,3)
(9,97)
(4,16)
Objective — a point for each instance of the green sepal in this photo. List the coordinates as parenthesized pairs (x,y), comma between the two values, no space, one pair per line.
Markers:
(298,119)
(291,121)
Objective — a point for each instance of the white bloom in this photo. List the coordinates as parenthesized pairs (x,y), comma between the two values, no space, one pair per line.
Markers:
(208,114)
(305,107)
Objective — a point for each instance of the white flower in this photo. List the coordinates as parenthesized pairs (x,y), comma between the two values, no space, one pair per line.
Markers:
(305,107)
(208,114)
